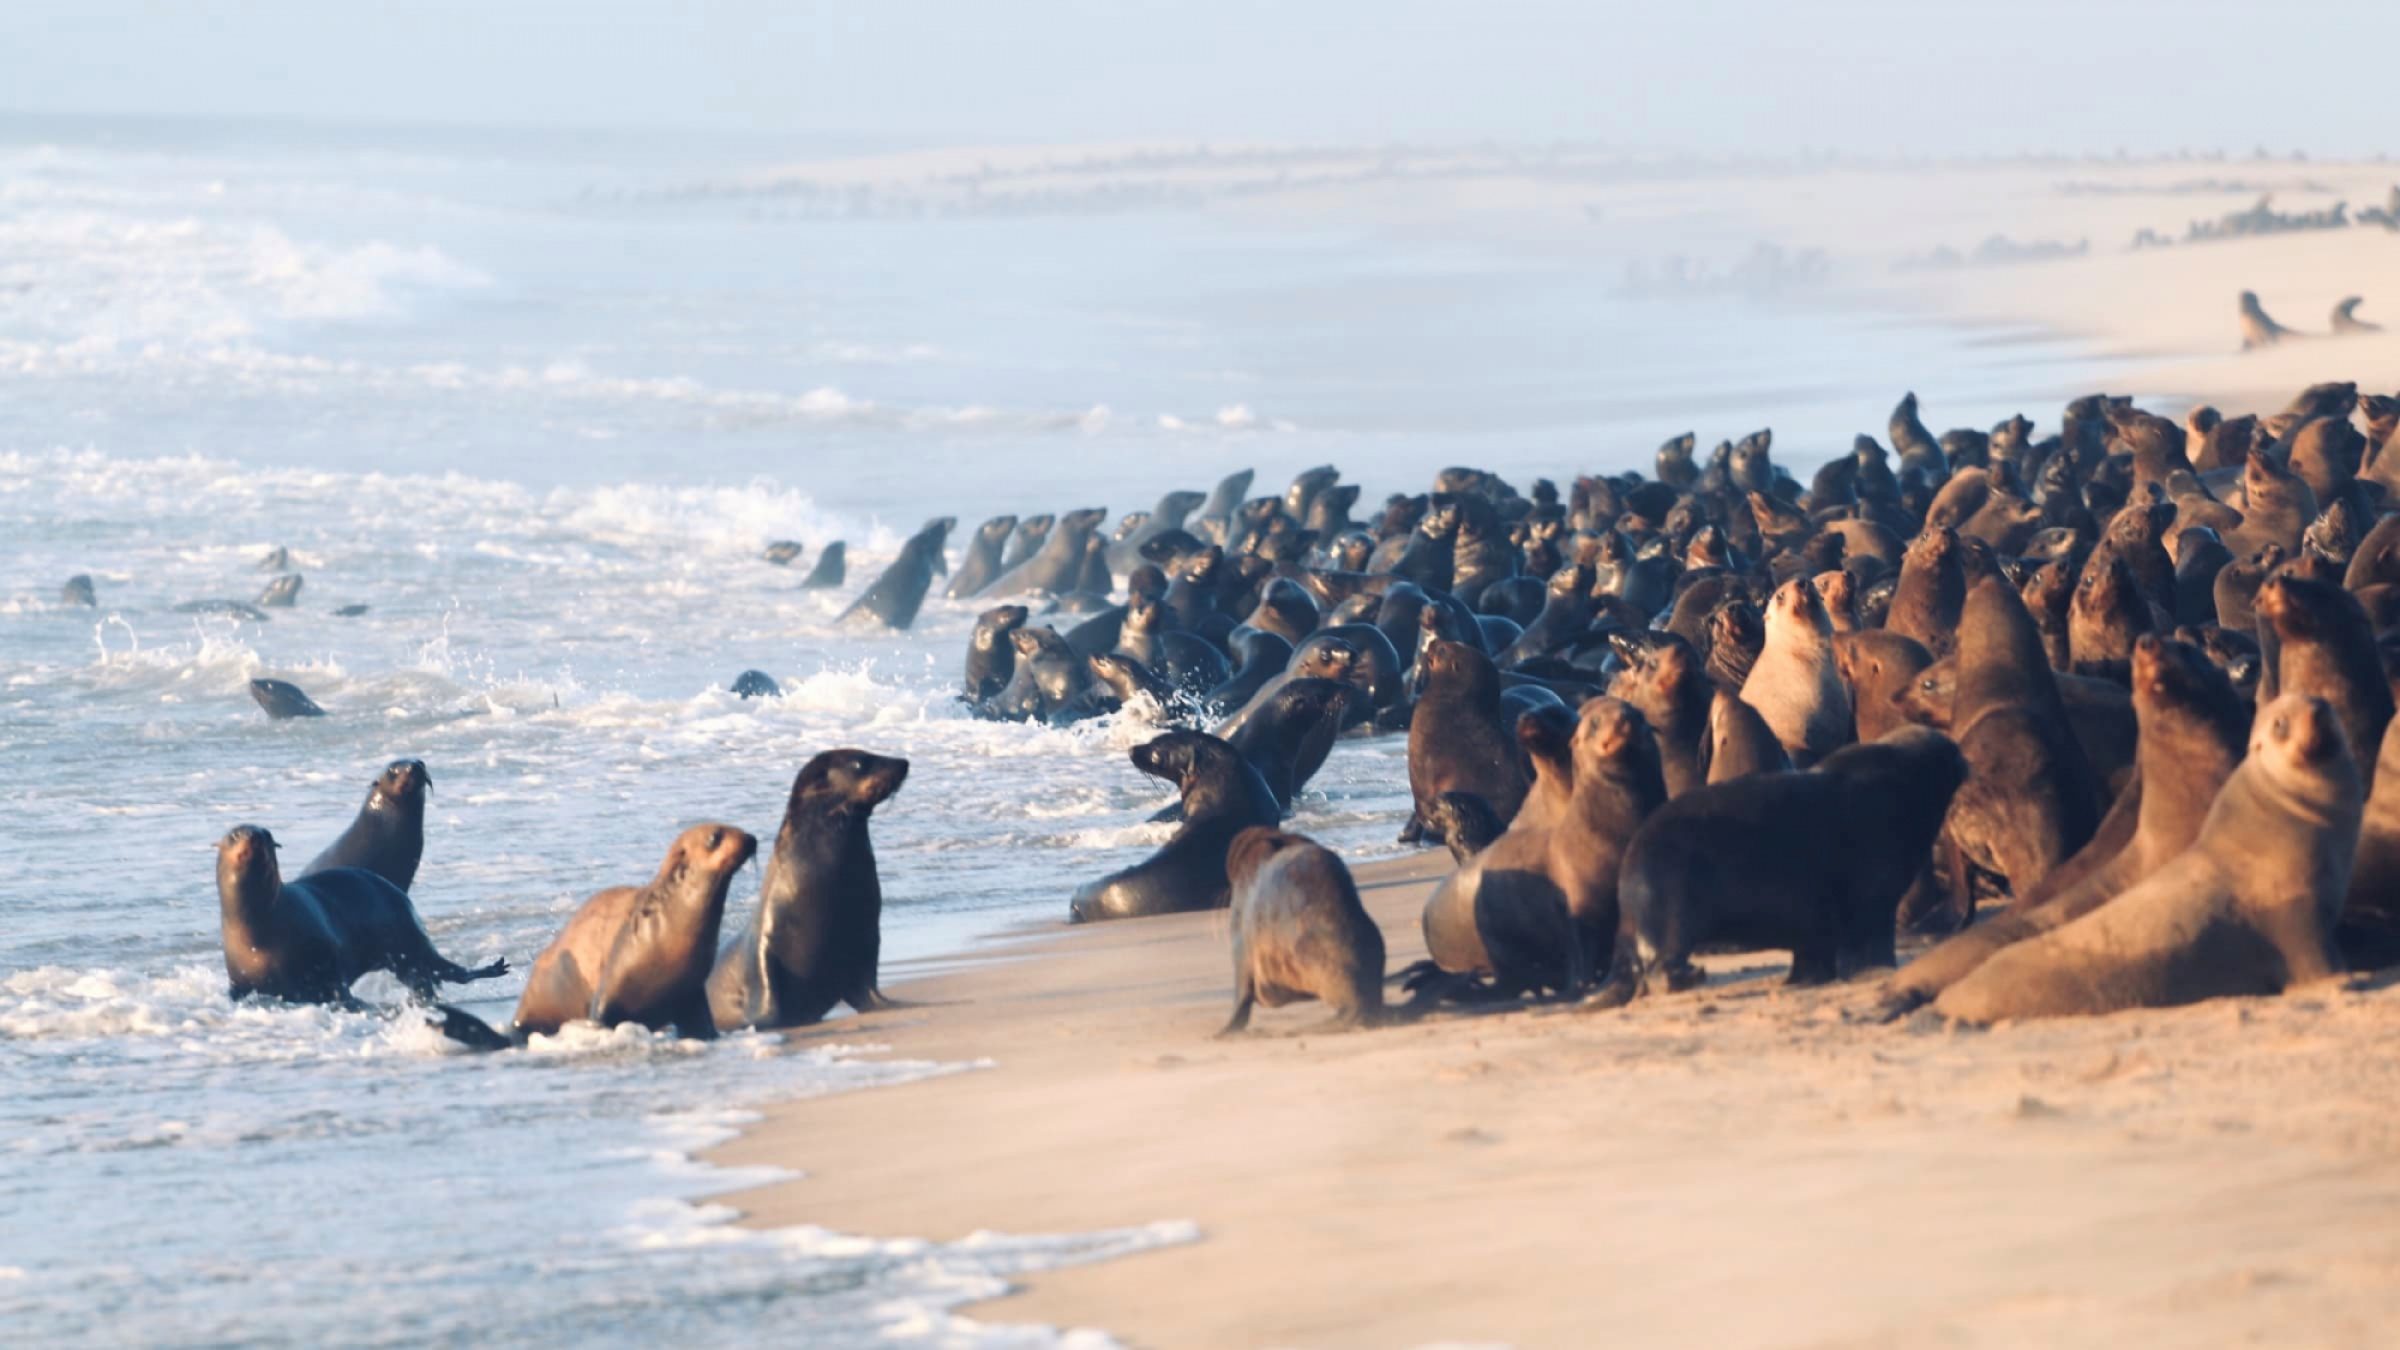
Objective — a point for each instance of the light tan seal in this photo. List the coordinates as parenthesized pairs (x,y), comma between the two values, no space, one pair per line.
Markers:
(1796,682)
(1300,931)
(2248,909)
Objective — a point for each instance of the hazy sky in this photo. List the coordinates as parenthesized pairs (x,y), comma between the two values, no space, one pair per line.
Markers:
(1932,75)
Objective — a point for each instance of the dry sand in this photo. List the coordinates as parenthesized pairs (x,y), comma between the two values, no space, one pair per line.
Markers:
(1737,1165)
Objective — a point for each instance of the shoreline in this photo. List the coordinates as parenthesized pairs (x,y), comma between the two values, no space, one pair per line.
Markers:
(1763,1163)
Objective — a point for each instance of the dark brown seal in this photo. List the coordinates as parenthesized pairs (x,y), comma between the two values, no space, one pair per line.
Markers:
(387,837)
(307,939)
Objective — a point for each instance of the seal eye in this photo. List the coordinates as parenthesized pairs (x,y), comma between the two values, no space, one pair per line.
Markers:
(716,838)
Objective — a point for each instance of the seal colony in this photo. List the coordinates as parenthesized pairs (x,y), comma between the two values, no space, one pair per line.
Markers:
(2101,709)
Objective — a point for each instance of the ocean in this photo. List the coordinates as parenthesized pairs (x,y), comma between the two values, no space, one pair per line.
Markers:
(538,401)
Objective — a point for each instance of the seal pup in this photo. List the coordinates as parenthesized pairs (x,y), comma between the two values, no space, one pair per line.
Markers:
(78,592)
(817,934)
(307,940)
(896,596)
(2194,729)
(1814,863)
(1457,739)
(1222,795)
(281,593)
(387,837)
(1796,681)
(752,684)
(2248,909)
(832,569)
(982,563)
(1300,931)
(991,654)
(283,700)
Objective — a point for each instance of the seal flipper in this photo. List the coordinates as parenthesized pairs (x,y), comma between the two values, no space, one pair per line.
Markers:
(468,1030)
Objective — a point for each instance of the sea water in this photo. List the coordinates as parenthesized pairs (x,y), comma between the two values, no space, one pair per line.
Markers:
(539,411)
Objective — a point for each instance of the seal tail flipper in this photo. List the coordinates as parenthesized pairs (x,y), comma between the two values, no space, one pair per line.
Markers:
(1898,1003)
(1624,978)
(467,1029)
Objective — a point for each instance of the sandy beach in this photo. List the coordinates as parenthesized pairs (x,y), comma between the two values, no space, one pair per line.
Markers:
(1738,1165)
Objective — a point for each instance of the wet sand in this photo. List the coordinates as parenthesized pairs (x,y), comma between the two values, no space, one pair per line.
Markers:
(1741,1164)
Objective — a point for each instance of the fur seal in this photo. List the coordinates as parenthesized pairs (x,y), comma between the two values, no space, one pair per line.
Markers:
(2248,908)
(308,939)
(1796,682)
(281,593)
(1547,736)
(1815,863)
(1457,741)
(283,700)
(832,569)
(991,653)
(276,559)
(755,684)
(1047,684)
(1740,743)
(1059,567)
(1125,553)
(1877,666)
(982,562)
(1300,931)
(2193,732)
(2346,321)
(630,954)
(1932,592)
(78,592)
(2324,646)
(817,934)
(1222,795)
(2031,800)
(1664,680)
(388,835)
(896,596)
(1289,734)
(2257,329)
(783,552)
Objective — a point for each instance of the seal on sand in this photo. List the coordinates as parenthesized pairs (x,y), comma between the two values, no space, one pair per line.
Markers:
(1812,862)
(1796,682)
(388,835)
(2031,799)
(1300,931)
(1457,740)
(817,934)
(1222,795)
(2193,731)
(308,939)
(2249,908)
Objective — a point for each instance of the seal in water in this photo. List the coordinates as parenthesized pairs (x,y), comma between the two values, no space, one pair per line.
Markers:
(991,654)
(895,597)
(630,954)
(783,552)
(1059,567)
(2249,908)
(78,591)
(832,569)
(237,609)
(982,563)
(276,559)
(283,700)
(817,936)
(307,940)
(756,684)
(1222,795)
(1814,863)
(387,837)
(1300,931)
(281,593)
